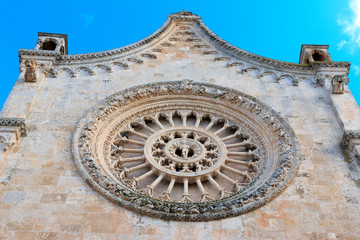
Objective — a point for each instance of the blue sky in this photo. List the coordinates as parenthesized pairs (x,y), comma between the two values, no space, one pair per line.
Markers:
(273,29)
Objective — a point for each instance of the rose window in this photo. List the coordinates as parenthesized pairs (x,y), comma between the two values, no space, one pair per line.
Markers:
(185,151)
(188,148)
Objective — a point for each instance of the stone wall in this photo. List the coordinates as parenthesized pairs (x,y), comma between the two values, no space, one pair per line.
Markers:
(42,195)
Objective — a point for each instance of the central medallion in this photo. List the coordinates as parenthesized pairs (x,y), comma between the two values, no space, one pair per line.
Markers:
(181,150)
(185,153)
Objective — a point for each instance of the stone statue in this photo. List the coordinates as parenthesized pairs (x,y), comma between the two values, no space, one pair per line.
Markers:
(31,74)
(184,150)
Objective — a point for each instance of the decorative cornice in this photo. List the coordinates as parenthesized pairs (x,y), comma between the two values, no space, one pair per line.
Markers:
(14,122)
(276,63)
(31,52)
(331,64)
(215,39)
(120,50)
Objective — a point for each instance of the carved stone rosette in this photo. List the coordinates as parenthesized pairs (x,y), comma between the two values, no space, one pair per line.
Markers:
(185,151)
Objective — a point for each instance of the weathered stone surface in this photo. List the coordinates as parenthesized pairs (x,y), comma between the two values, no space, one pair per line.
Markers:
(13,197)
(45,198)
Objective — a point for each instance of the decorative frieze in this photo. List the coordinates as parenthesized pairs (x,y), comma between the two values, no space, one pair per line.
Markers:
(14,122)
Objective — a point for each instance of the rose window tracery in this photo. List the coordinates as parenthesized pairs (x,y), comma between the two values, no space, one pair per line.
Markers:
(188,148)
(185,151)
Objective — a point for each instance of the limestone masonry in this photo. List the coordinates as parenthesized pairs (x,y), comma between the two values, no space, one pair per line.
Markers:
(179,136)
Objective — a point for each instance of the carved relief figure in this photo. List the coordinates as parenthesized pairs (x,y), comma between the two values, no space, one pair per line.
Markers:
(184,150)
(337,83)
(31,71)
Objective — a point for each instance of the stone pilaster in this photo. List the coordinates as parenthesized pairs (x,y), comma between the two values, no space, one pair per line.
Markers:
(335,84)
(34,68)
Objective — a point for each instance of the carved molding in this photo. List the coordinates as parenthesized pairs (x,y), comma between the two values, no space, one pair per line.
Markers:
(38,53)
(230,53)
(14,122)
(11,131)
(263,60)
(242,68)
(98,145)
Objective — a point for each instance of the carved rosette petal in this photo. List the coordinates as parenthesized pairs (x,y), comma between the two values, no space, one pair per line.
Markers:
(185,151)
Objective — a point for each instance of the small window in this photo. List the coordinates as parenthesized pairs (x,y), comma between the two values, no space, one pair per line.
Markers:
(48,45)
(318,56)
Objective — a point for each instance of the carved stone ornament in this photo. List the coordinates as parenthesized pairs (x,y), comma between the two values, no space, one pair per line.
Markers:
(190,29)
(349,135)
(337,83)
(185,151)
(8,138)
(11,131)
(31,74)
(14,122)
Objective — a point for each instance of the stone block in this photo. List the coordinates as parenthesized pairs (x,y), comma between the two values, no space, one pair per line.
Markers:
(59,198)
(13,197)
(43,195)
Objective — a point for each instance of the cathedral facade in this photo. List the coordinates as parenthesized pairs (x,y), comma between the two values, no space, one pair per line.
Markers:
(179,136)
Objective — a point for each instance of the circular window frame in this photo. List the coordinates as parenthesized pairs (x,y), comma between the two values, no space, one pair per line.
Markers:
(256,194)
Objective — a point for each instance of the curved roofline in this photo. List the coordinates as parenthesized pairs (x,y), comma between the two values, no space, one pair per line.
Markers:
(186,16)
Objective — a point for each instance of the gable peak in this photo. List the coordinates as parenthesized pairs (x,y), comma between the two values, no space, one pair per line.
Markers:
(184,15)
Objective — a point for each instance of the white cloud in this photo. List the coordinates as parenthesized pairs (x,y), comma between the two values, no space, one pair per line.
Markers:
(356,69)
(87,18)
(351,27)
(341,44)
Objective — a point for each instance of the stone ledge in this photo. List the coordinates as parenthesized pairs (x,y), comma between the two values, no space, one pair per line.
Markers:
(14,122)
(11,131)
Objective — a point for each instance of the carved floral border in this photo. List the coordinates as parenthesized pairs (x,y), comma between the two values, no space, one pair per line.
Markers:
(233,205)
